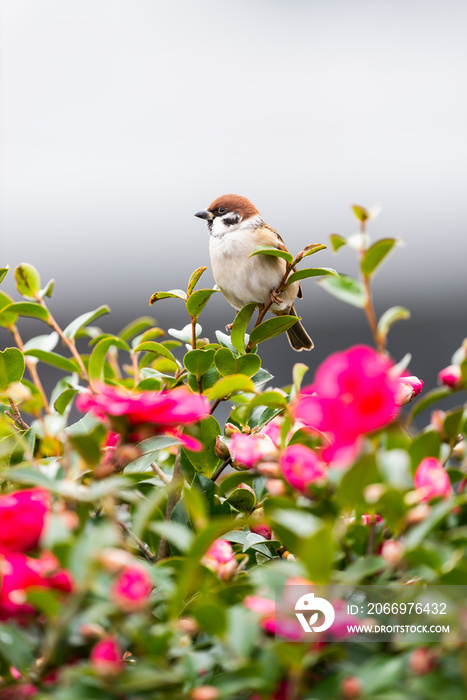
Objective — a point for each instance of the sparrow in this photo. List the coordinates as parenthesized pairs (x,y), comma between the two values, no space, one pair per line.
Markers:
(236,228)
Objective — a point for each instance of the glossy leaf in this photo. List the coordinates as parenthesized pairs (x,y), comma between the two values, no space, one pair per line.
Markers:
(172,294)
(227,364)
(99,353)
(239,327)
(194,279)
(271,250)
(337,241)
(136,327)
(157,349)
(198,300)
(242,499)
(54,359)
(428,400)
(311,272)
(11,367)
(42,342)
(272,327)
(346,289)
(64,399)
(198,361)
(375,255)
(230,385)
(391,316)
(48,289)
(27,308)
(72,329)
(185,334)
(3,273)
(28,281)
(205,461)
(6,319)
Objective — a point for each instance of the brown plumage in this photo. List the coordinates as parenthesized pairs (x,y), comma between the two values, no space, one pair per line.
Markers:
(236,228)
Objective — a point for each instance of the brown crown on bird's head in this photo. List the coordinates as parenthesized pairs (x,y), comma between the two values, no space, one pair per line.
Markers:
(233,202)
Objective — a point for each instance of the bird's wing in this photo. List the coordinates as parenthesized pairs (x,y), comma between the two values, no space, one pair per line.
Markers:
(273,239)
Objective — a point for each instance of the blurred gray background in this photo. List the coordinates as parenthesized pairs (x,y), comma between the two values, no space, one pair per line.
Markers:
(121,118)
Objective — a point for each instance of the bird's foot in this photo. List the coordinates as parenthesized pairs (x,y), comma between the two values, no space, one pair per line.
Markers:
(275,298)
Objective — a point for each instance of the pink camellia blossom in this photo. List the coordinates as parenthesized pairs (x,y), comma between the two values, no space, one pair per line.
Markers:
(408,389)
(22,519)
(277,622)
(301,467)
(161,411)
(131,589)
(431,480)
(368,518)
(247,450)
(220,558)
(451,376)
(19,573)
(354,393)
(107,657)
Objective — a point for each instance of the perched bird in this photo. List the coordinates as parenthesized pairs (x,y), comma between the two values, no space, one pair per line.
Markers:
(235,230)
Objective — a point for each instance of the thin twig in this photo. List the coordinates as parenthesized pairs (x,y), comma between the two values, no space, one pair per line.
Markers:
(69,342)
(142,546)
(193,332)
(215,405)
(15,416)
(31,368)
(221,468)
(161,474)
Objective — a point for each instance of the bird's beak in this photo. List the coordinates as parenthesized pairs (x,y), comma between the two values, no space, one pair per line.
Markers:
(205,214)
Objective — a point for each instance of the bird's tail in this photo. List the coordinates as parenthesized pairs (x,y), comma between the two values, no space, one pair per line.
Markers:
(297,335)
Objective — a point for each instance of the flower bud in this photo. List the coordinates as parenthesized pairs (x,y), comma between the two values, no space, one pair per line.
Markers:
(114,559)
(368,518)
(230,429)
(268,468)
(392,552)
(276,487)
(221,449)
(247,450)
(422,661)
(89,630)
(373,493)
(458,451)
(418,514)
(407,389)
(220,558)
(451,376)
(351,688)
(437,422)
(131,589)
(188,625)
(107,657)
(431,480)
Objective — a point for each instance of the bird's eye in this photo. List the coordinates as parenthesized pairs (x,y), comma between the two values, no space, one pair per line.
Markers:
(222,210)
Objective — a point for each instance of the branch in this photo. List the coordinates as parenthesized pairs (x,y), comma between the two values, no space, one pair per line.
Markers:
(142,546)
(15,416)
(221,468)
(31,368)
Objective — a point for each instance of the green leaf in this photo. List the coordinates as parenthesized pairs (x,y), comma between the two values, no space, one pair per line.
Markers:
(271,250)
(11,367)
(198,300)
(240,324)
(432,397)
(172,294)
(64,400)
(375,255)
(360,212)
(317,553)
(242,499)
(3,272)
(418,534)
(337,241)
(310,250)
(48,289)
(8,319)
(230,385)
(186,333)
(88,445)
(72,329)
(350,491)
(272,327)
(198,361)
(227,364)
(42,342)
(194,279)
(298,372)
(174,532)
(28,281)
(391,316)
(157,349)
(311,272)
(136,327)
(205,462)
(361,569)
(426,444)
(99,353)
(27,308)
(346,289)
(52,358)
(271,399)
(15,647)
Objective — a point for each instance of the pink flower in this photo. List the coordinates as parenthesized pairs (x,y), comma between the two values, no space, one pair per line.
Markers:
(354,393)
(262,529)
(19,573)
(451,376)
(22,519)
(262,606)
(107,657)
(431,479)
(161,411)
(367,519)
(408,388)
(273,430)
(247,450)
(279,623)
(132,588)
(220,558)
(301,467)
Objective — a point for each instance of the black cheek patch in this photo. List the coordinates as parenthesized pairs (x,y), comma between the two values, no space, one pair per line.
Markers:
(231,220)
